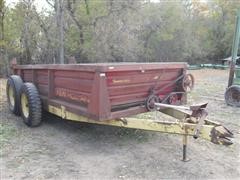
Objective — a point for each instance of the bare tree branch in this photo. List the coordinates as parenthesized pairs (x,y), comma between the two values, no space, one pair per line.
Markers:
(71,10)
(52,5)
(87,8)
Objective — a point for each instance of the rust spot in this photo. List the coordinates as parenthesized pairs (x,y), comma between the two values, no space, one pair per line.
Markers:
(123,120)
(221,135)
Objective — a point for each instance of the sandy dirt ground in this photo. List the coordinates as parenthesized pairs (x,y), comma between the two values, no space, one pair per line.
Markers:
(61,149)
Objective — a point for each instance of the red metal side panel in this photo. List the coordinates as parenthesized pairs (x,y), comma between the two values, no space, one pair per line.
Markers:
(39,77)
(99,106)
(134,86)
(73,86)
(27,75)
(102,91)
(41,81)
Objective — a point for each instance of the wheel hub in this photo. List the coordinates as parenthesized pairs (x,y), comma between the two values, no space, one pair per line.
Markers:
(11,96)
(188,83)
(24,105)
(150,102)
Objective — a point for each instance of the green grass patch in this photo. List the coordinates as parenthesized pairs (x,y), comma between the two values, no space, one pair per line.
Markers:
(139,136)
(6,133)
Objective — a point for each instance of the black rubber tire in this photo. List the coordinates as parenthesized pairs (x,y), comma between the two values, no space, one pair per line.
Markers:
(232,96)
(16,83)
(34,118)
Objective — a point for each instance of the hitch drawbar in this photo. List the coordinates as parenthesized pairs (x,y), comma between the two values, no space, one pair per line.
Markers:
(194,122)
(191,121)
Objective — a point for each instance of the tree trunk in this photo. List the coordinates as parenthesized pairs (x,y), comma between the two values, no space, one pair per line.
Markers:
(60,30)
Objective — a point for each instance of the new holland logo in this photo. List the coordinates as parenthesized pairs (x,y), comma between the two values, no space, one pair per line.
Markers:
(61,92)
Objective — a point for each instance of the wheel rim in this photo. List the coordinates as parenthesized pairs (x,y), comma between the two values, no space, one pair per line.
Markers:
(150,103)
(24,105)
(11,95)
(234,96)
(188,82)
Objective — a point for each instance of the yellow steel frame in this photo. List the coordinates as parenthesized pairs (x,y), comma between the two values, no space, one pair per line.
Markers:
(181,127)
(186,126)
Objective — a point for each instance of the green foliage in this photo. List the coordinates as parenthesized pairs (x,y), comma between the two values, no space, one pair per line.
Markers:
(99,31)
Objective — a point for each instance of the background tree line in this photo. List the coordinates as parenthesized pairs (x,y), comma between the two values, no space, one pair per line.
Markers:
(116,31)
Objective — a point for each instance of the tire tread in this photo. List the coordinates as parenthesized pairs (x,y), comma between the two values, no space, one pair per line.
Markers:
(35,106)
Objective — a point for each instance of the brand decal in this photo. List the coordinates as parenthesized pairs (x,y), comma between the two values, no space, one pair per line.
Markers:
(121,81)
(61,92)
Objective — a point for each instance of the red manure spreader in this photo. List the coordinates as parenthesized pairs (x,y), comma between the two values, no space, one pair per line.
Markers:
(111,94)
